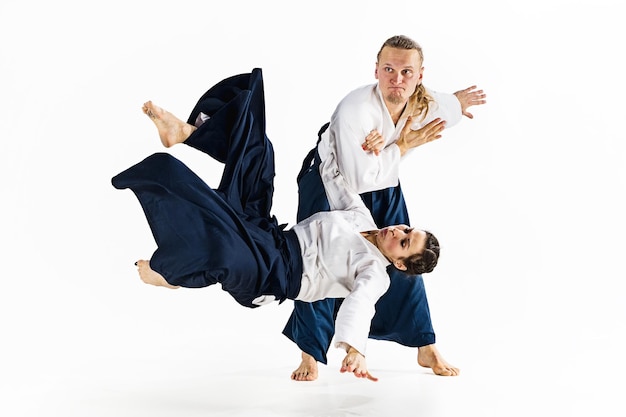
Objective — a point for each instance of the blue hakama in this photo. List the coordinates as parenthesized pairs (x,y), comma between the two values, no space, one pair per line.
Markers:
(226,235)
(402,313)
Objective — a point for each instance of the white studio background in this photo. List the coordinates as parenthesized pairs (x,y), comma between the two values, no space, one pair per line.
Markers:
(527,198)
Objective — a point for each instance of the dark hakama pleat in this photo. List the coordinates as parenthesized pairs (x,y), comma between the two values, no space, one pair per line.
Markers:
(227,235)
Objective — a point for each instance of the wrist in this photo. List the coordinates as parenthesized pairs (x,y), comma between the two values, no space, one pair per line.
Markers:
(353,350)
(402,146)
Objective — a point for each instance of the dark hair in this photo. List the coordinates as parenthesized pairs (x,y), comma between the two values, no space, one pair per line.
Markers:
(422,263)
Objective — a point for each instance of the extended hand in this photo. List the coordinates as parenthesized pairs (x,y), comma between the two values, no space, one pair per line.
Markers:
(468,98)
(355,362)
(410,138)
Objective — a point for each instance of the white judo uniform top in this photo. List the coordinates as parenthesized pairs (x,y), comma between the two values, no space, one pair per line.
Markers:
(356,115)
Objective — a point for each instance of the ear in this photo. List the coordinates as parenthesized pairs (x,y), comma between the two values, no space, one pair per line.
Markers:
(376,71)
(400,265)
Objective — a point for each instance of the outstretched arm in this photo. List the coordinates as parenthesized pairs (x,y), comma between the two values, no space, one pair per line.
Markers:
(446,109)
(470,97)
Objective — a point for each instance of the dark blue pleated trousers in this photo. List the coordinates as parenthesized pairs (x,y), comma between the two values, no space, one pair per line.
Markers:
(402,313)
(226,235)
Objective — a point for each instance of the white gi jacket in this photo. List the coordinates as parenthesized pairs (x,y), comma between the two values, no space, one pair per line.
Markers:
(338,262)
(356,115)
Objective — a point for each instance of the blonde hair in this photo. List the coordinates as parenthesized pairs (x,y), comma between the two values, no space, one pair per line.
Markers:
(419,101)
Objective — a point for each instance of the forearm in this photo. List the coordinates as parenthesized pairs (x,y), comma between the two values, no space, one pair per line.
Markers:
(365,171)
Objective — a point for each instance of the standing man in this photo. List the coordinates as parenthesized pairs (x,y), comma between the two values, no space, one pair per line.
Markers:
(366,134)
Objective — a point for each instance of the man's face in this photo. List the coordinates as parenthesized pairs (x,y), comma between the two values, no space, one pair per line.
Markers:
(399,72)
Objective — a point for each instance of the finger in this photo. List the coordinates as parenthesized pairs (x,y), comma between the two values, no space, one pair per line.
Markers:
(434,126)
(361,373)
(348,365)
(371,377)
(439,126)
(368,147)
(434,122)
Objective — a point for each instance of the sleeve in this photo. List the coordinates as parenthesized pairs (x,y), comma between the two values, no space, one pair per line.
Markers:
(446,106)
(341,196)
(354,317)
(349,126)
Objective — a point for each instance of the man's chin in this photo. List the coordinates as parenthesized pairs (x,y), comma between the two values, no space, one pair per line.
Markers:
(395,98)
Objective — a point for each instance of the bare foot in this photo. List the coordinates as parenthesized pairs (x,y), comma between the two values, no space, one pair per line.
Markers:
(307,371)
(429,357)
(149,276)
(171,129)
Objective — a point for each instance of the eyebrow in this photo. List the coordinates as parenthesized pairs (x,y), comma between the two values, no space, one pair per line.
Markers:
(393,66)
(408,240)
